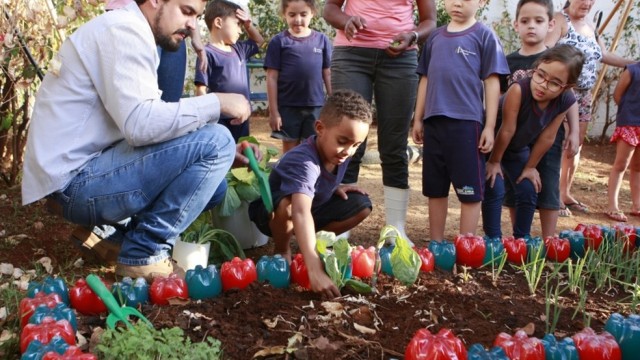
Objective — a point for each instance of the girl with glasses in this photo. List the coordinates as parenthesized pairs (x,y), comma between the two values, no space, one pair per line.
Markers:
(530,114)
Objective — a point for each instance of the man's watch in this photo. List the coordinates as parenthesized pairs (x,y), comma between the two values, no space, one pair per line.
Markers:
(414,38)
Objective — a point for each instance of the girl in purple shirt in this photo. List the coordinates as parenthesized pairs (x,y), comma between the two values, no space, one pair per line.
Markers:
(532,111)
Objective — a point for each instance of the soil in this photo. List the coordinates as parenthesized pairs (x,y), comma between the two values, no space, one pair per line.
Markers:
(261,318)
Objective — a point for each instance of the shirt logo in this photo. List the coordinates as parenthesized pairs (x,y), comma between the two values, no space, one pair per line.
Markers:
(317,50)
(465,190)
(464,52)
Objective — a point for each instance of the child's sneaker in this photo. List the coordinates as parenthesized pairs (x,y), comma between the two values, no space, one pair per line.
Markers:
(94,248)
(161,268)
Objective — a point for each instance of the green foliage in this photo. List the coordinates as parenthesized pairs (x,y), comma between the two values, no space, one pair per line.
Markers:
(242,184)
(224,246)
(336,255)
(10,297)
(151,344)
(506,32)
(405,262)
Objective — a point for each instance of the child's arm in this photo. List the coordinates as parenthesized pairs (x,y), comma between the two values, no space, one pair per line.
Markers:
(275,121)
(418,127)
(306,237)
(572,143)
(201,89)
(198,48)
(510,111)
(326,77)
(622,86)
(252,31)
(540,147)
(491,100)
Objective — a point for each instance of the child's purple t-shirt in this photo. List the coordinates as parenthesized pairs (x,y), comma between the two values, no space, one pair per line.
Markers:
(226,71)
(531,119)
(300,170)
(456,65)
(300,62)
(629,108)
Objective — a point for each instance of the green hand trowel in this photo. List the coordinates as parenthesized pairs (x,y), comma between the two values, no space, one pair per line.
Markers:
(117,313)
(263,180)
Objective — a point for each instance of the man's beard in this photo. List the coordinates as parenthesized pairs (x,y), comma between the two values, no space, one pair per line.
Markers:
(167,42)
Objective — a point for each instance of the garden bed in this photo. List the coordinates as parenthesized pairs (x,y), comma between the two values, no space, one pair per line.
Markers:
(262,318)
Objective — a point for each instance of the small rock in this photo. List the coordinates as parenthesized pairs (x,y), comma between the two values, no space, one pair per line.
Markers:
(6,269)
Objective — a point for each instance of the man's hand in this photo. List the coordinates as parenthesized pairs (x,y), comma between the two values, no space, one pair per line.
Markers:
(493,170)
(353,25)
(235,106)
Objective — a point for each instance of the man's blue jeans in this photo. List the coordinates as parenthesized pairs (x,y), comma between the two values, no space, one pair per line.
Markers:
(161,187)
(393,82)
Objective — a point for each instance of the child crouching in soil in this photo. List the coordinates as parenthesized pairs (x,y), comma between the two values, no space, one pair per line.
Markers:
(305,184)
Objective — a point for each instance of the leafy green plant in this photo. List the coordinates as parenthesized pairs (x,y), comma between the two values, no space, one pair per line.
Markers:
(552,308)
(224,246)
(336,255)
(576,275)
(405,262)
(242,184)
(10,297)
(152,344)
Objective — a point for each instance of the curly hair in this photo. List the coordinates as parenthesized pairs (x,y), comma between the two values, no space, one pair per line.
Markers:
(345,103)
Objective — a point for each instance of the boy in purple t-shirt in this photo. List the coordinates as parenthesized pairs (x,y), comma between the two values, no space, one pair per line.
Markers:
(227,57)
(460,62)
(306,186)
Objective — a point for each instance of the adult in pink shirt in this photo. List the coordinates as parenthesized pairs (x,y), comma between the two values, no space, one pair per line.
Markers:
(375,54)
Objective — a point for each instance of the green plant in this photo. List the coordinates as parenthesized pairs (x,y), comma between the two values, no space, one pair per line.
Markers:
(405,262)
(534,268)
(576,275)
(552,308)
(10,298)
(224,246)
(336,255)
(242,184)
(152,344)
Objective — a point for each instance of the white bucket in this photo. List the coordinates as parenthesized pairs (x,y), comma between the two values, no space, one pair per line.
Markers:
(239,224)
(188,255)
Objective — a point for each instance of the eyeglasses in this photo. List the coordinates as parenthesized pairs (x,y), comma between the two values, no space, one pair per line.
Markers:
(539,77)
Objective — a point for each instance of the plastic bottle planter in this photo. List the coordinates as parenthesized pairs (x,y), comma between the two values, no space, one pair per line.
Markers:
(204,283)
(238,273)
(363,261)
(516,250)
(627,234)
(470,250)
(427,259)
(576,241)
(131,293)
(608,234)
(299,273)
(478,352)
(37,349)
(165,288)
(592,235)
(520,346)
(72,353)
(274,270)
(558,249)
(84,300)
(445,254)
(29,305)
(60,312)
(385,259)
(626,331)
(443,345)
(564,349)
(594,346)
(188,255)
(494,251)
(45,331)
(49,285)
(534,245)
